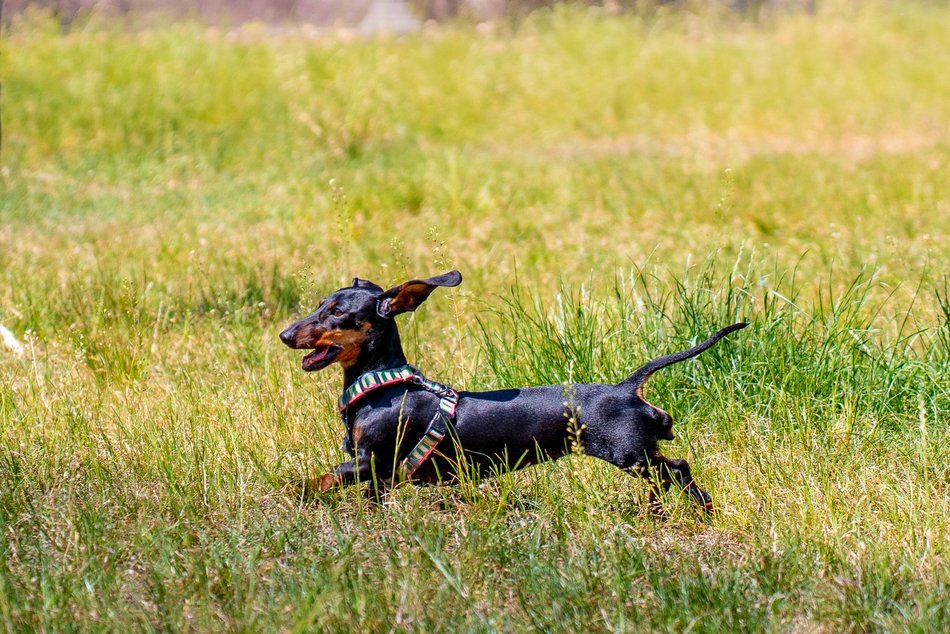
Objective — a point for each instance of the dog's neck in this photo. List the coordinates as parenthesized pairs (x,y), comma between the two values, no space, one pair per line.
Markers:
(382,352)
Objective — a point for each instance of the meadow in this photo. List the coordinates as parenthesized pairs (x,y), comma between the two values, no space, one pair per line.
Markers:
(612,188)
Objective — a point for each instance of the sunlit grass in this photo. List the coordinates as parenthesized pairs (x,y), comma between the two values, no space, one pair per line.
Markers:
(611,188)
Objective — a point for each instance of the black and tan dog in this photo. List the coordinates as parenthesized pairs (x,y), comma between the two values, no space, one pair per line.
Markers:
(397,409)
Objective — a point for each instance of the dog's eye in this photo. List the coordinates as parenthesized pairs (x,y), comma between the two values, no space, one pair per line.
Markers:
(337,312)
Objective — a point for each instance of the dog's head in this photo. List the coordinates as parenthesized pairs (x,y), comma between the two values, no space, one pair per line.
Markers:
(349,321)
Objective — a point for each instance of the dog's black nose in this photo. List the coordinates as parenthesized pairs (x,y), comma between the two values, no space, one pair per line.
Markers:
(287,336)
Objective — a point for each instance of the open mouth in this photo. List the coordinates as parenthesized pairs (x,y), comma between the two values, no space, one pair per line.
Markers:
(320,357)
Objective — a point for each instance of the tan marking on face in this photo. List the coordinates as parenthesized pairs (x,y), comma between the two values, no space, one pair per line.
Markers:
(351,342)
(307,337)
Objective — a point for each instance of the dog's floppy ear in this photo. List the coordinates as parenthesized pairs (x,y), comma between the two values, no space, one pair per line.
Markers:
(408,295)
(358,283)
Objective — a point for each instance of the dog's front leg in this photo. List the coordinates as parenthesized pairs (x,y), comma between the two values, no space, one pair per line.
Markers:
(344,474)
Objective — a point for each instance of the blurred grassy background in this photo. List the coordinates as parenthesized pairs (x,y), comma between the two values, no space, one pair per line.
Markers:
(611,187)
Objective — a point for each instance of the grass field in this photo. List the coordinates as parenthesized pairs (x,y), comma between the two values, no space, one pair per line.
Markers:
(611,188)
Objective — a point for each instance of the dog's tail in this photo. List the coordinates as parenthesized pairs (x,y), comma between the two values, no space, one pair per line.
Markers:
(638,378)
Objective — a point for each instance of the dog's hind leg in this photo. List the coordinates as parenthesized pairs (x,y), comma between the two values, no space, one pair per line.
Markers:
(665,472)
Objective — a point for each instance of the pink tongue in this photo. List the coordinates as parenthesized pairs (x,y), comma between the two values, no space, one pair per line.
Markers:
(315,357)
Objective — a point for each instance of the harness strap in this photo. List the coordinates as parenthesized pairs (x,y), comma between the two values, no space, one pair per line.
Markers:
(439,425)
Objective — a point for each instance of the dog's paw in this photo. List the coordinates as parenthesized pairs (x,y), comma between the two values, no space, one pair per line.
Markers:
(703,499)
(311,489)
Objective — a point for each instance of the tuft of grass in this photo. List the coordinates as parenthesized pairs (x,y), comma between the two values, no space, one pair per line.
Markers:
(825,349)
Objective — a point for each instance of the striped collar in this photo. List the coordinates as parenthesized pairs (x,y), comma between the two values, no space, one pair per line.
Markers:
(369,381)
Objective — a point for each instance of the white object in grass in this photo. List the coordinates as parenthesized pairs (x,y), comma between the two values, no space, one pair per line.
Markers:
(10,341)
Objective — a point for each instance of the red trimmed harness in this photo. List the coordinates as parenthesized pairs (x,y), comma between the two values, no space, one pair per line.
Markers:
(439,425)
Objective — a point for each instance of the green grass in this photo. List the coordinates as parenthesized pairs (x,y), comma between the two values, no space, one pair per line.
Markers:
(611,188)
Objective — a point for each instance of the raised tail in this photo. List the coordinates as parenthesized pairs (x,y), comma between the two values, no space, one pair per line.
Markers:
(638,378)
